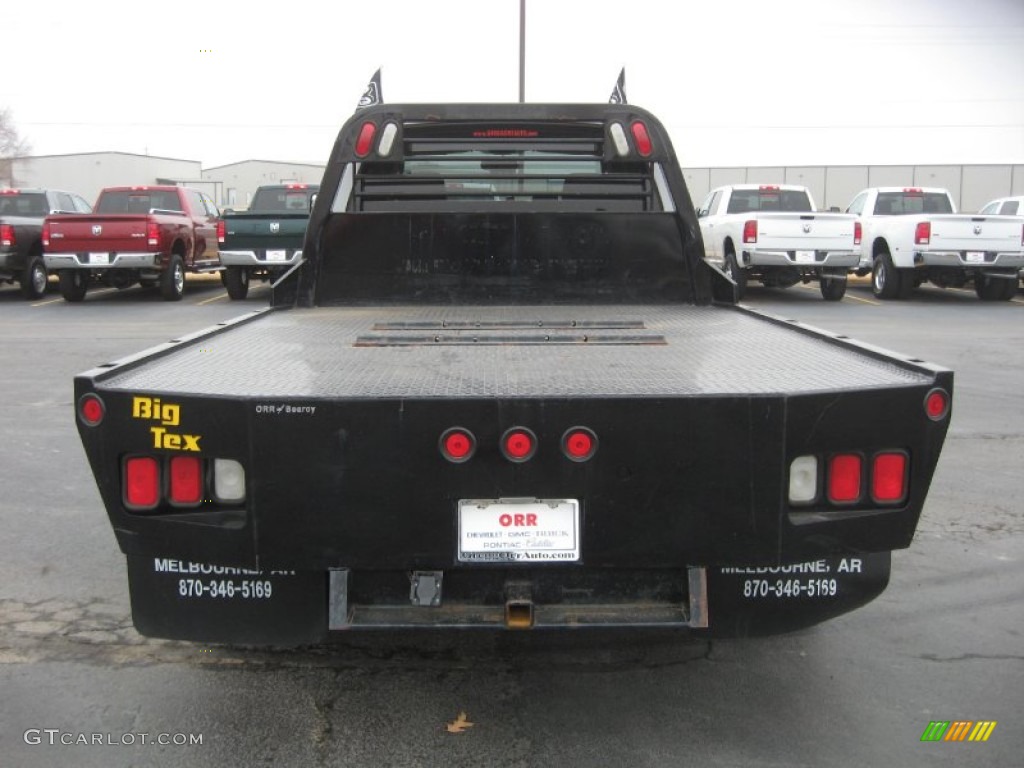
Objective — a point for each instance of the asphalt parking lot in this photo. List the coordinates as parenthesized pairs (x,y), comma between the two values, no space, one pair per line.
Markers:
(944,642)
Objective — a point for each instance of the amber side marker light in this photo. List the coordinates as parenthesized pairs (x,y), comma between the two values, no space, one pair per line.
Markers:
(91,410)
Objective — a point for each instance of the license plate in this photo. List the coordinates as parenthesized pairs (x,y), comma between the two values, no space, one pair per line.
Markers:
(99,258)
(974,257)
(804,257)
(277,255)
(517,530)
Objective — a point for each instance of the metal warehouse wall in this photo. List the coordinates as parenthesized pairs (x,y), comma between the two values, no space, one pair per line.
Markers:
(836,185)
(88,173)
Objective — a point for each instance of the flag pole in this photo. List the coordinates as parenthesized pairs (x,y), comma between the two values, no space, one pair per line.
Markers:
(522,51)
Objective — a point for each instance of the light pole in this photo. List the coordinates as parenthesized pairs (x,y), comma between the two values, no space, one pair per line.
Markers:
(522,51)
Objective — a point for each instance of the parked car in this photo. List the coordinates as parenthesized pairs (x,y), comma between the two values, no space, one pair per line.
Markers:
(21,228)
(147,235)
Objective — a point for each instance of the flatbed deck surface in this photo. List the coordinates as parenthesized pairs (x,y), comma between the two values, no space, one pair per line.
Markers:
(543,351)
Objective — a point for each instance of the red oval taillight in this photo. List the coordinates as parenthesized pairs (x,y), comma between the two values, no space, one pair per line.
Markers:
(579,444)
(518,444)
(91,410)
(644,147)
(364,142)
(457,445)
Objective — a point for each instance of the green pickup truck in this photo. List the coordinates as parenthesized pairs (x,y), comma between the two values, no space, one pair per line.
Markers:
(266,241)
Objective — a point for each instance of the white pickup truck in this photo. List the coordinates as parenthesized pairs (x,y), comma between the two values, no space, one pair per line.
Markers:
(914,235)
(773,234)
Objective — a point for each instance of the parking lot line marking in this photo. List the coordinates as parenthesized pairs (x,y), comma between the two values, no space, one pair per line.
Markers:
(48,301)
(215,298)
(865,301)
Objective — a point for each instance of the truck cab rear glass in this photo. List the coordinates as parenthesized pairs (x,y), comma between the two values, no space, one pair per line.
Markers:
(282,200)
(904,203)
(24,204)
(137,201)
(747,200)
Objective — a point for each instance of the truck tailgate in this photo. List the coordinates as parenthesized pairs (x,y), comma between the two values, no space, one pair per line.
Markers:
(805,231)
(264,230)
(699,413)
(955,232)
(90,232)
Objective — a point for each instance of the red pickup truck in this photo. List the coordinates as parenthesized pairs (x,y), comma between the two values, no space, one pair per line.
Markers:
(147,235)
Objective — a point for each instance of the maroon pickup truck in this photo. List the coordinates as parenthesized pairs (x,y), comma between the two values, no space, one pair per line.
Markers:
(146,235)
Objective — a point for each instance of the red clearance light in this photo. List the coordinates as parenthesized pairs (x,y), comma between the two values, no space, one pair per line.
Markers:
(913,191)
(9,192)
(889,478)
(222,230)
(844,471)
(579,444)
(642,139)
(295,186)
(6,234)
(936,404)
(91,410)
(153,233)
(858,233)
(750,231)
(364,143)
(186,482)
(141,482)
(923,233)
(768,188)
(457,445)
(518,444)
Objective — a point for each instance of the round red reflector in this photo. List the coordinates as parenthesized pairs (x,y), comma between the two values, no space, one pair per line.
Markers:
(518,444)
(936,404)
(91,410)
(579,444)
(457,445)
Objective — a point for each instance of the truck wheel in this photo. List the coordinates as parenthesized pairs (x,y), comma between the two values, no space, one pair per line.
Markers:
(886,280)
(732,269)
(73,284)
(832,288)
(994,288)
(237,282)
(172,281)
(33,279)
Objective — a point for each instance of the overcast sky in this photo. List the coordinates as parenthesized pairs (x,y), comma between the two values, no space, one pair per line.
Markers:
(737,82)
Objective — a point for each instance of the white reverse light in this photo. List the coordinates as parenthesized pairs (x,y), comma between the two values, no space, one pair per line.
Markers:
(228,480)
(803,480)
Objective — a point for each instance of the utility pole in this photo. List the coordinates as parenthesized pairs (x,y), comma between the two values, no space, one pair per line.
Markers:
(522,51)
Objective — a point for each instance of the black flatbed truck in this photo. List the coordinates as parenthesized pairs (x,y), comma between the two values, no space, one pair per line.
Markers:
(504,389)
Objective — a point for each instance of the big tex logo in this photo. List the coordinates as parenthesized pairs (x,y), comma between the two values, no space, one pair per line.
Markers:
(167,415)
(958,730)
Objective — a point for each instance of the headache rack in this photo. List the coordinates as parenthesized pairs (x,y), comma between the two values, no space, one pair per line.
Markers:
(517,165)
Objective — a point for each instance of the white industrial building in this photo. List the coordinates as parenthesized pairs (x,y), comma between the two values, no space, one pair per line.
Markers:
(233,185)
(238,181)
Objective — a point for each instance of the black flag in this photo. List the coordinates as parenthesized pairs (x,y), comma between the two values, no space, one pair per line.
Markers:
(372,94)
(619,92)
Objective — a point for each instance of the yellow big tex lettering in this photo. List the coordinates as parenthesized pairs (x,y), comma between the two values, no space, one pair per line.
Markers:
(169,415)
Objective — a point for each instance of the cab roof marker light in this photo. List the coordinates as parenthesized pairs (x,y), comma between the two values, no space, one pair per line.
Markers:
(228,481)
(642,139)
(364,142)
(803,480)
(619,140)
(387,139)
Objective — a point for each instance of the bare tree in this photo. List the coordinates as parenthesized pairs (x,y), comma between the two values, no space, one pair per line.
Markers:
(12,145)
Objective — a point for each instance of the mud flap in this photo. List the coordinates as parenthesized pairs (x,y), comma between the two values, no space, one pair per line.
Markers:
(182,600)
(746,602)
